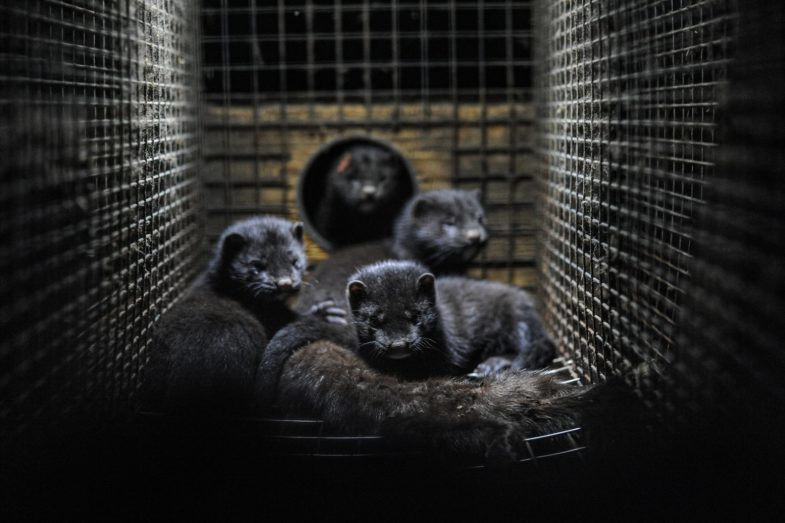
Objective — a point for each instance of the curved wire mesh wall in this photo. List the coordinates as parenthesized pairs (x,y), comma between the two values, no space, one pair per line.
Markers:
(628,94)
(98,197)
(730,354)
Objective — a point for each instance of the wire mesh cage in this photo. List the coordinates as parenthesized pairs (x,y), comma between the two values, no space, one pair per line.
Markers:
(134,131)
(447,83)
(730,347)
(628,132)
(100,199)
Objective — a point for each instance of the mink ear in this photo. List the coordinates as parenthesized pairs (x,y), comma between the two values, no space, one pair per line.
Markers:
(356,291)
(233,243)
(344,162)
(420,208)
(297,231)
(426,286)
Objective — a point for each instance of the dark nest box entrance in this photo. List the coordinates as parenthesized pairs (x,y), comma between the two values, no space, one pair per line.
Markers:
(312,191)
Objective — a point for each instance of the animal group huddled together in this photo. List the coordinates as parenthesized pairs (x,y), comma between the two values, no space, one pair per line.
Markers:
(385,335)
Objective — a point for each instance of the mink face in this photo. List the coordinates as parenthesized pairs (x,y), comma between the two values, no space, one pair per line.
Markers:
(394,312)
(261,259)
(444,229)
(365,177)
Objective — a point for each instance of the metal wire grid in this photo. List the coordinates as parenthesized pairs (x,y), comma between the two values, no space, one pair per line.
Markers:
(334,50)
(447,82)
(731,348)
(98,206)
(628,94)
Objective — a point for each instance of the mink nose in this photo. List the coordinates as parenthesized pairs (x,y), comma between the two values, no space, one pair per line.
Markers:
(474,235)
(369,191)
(399,345)
(284,284)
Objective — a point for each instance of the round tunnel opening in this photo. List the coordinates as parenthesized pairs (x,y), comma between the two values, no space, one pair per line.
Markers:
(312,185)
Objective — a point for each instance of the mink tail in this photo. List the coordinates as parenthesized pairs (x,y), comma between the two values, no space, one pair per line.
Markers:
(307,329)
(490,417)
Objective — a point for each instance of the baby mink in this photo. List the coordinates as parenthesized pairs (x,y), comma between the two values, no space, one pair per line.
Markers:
(413,325)
(207,347)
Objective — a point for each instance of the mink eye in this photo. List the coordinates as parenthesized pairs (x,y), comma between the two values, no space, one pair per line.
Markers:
(481,219)
(295,262)
(258,265)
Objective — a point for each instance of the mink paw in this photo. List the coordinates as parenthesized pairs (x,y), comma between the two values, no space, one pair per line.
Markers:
(327,311)
(492,365)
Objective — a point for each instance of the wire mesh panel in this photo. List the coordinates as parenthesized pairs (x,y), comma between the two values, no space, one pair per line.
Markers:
(98,203)
(446,82)
(628,93)
(722,400)
(731,350)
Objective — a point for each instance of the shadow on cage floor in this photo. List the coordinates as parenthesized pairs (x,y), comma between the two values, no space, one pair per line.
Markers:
(151,466)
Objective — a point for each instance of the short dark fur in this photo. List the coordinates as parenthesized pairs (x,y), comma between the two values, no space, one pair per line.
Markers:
(362,196)
(421,234)
(413,325)
(286,342)
(207,348)
(483,417)
(442,229)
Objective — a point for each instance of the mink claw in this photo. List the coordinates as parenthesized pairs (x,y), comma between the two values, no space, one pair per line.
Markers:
(322,307)
(492,365)
(327,311)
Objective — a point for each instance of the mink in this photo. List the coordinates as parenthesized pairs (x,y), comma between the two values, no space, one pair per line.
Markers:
(443,229)
(363,194)
(413,325)
(207,347)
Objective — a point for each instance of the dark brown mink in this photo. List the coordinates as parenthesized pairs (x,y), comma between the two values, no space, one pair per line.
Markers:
(407,323)
(363,193)
(207,347)
(413,325)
